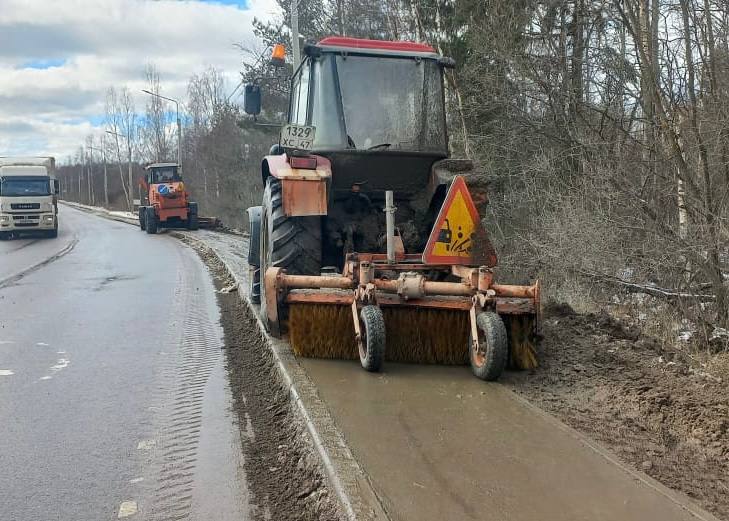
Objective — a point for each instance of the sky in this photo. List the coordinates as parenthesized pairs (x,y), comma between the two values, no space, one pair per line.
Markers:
(59,57)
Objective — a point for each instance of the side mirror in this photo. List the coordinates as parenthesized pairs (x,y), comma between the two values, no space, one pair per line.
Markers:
(252,99)
(56,186)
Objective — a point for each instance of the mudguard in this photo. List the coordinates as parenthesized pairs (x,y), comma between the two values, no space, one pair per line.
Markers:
(304,190)
(254,240)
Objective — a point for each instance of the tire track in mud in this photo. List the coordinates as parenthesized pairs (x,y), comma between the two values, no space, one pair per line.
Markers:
(12,279)
(191,354)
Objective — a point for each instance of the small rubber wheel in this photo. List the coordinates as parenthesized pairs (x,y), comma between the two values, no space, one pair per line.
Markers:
(254,284)
(372,344)
(490,360)
(150,221)
(142,212)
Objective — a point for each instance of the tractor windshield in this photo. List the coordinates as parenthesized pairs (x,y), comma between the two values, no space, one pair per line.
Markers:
(386,104)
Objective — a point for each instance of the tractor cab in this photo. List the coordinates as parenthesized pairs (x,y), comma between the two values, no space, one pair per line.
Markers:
(376,110)
(162,173)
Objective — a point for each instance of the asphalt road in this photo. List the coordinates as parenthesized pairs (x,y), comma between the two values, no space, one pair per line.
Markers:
(113,397)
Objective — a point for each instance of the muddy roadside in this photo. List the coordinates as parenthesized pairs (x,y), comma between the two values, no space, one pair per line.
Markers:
(645,402)
(285,480)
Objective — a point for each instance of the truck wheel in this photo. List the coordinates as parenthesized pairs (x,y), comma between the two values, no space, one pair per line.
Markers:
(372,342)
(489,362)
(150,221)
(291,243)
(142,215)
(52,234)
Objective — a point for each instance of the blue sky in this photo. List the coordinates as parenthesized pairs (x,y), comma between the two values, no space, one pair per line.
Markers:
(57,63)
(43,64)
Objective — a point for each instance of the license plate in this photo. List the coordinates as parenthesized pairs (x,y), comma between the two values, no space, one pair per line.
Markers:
(297,136)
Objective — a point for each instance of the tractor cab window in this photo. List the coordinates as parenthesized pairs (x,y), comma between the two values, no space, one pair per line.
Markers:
(300,96)
(392,103)
(164,175)
(372,103)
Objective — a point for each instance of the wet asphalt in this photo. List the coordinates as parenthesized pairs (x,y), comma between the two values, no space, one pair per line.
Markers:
(113,396)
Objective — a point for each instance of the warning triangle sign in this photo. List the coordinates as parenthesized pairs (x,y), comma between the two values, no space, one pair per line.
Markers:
(457,236)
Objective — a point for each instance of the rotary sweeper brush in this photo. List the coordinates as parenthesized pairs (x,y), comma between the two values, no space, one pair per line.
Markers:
(368,243)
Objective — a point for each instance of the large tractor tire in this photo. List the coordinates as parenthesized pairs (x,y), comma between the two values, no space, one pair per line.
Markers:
(150,221)
(142,216)
(291,243)
(192,221)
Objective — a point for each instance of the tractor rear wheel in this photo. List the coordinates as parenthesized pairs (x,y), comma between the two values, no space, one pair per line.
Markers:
(490,360)
(150,221)
(192,221)
(291,243)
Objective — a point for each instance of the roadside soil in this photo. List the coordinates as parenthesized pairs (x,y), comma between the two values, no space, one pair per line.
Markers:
(281,468)
(642,400)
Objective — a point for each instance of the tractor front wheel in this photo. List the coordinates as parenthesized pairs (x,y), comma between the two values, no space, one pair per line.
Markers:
(142,215)
(291,243)
(489,360)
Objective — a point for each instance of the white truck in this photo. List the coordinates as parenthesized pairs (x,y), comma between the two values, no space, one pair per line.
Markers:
(28,196)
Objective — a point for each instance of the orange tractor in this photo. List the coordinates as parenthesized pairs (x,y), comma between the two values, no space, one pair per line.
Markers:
(169,202)
(368,243)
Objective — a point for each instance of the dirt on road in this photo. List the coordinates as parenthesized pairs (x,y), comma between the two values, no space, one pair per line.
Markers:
(647,403)
(281,468)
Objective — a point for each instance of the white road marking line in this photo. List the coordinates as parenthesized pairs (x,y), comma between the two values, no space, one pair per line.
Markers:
(7,342)
(41,344)
(6,372)
(45,377)
(146,444)
(127,508)
(136,480)
(60,352)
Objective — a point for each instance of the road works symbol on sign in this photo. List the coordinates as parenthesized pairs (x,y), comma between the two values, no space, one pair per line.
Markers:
(456,228)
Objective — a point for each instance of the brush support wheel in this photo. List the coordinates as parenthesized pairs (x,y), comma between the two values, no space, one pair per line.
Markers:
(372,342)
(490,360)
(254,284)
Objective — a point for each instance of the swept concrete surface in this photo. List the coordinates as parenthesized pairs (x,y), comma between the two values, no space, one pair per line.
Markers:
(439,444)
(113,393)
(435,443)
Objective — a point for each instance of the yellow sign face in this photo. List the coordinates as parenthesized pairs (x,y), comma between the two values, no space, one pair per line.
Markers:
(451,241)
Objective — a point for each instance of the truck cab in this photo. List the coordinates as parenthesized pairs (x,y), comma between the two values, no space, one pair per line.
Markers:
(28,196)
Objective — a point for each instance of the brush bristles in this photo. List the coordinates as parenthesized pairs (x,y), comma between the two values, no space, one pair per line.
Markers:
(322,331)
(426,336)
(522,342)
(414,335)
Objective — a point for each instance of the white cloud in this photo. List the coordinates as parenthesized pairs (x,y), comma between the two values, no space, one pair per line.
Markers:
(86,46)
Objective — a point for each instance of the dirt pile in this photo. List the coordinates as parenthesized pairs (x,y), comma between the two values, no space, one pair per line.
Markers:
(281,469)
(648,404)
